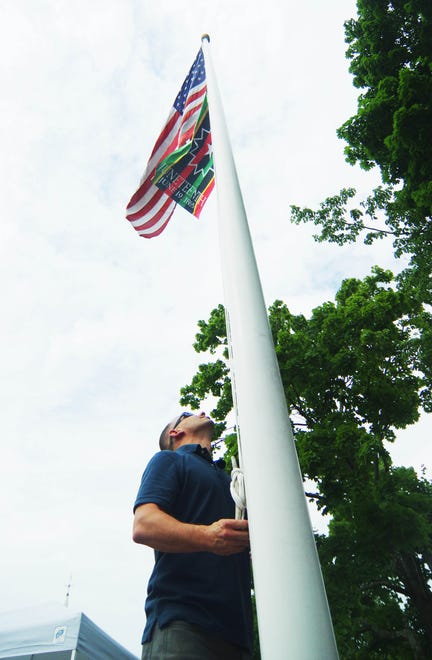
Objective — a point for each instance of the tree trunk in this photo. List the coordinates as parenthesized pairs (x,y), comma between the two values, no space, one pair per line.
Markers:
(412,574)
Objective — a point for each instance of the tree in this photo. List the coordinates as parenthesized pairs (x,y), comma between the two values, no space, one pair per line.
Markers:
(353,373)
(391,58)
(377,568)
(389,47)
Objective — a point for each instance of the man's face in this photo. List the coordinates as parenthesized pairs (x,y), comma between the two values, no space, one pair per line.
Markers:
(192,423)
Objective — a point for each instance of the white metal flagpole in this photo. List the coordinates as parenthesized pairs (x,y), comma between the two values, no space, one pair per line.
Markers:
(293,615)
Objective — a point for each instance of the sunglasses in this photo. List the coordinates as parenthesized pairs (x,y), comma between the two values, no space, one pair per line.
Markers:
(182,416)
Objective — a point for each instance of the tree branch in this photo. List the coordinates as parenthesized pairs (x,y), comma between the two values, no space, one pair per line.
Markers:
(315,496)
(390,585)
(363,226)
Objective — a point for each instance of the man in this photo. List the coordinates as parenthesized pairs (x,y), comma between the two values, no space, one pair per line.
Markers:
(198,602)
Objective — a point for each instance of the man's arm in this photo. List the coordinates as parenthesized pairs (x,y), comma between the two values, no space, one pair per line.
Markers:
(157,529)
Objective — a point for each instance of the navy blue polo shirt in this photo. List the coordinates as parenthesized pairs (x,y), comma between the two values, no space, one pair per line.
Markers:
(199,587)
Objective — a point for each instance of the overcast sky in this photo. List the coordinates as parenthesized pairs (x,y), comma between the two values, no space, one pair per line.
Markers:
(97,323)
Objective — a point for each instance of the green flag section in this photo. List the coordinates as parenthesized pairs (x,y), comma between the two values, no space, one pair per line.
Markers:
(187,174)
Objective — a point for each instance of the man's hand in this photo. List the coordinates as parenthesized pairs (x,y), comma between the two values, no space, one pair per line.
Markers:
(228,536)
(157,529)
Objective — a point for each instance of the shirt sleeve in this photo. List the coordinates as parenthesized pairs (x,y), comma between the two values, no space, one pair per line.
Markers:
(160,482)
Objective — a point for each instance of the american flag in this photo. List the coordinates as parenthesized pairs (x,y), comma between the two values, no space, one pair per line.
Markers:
(180,169)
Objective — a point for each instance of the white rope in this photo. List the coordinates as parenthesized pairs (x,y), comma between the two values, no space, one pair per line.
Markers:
(237,486)
(238,492)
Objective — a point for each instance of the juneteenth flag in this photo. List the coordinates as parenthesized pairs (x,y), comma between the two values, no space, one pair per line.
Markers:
(180,169)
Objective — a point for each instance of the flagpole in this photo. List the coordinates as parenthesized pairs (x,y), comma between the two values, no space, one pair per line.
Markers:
(293,615)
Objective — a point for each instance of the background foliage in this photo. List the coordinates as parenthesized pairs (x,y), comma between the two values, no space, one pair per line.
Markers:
(389,48)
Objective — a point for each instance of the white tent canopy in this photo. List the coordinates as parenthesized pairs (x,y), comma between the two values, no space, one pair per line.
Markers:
(53,632)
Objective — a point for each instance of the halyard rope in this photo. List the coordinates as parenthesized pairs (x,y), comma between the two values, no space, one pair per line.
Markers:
(237,488)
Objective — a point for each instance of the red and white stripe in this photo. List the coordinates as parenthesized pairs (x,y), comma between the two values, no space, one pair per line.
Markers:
(150,209)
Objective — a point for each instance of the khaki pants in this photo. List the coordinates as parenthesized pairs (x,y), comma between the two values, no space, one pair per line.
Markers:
(184,641)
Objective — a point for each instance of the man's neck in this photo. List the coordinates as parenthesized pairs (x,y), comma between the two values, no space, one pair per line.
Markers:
(204,442)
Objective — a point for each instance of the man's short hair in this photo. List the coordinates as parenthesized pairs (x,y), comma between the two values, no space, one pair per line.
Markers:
(165,440)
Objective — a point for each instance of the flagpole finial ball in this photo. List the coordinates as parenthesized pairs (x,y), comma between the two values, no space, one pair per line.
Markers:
(206,37)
